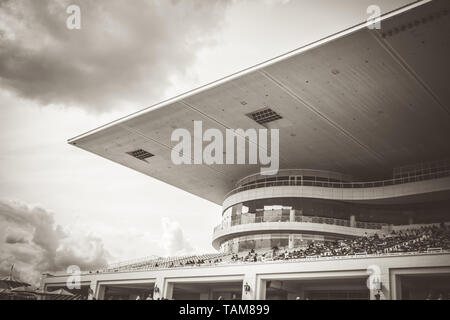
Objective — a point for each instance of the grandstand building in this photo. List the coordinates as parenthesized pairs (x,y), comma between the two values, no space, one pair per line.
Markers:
(360,207)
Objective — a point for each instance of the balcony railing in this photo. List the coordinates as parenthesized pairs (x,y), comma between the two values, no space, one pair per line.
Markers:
(311,181)
(321,220)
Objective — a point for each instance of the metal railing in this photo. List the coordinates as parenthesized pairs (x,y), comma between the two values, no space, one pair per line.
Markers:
(296,260)
(321,220)
(286,173)
(306,181)
(131,262)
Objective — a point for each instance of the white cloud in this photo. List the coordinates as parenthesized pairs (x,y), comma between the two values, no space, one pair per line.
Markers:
(173,239)
(123,54)
(276,2)
(35,244)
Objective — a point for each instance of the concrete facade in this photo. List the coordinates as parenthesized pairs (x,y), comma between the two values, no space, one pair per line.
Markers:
(256,275)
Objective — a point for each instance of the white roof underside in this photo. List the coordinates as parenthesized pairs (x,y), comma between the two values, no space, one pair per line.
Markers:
(360,102)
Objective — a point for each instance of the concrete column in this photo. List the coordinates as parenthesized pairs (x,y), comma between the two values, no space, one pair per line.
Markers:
(383,291)
(100,293)
(385,284)
(396,286)
(261,290)
(291,241)
(250,279)
(93,287)
(159,283)
(352,221)
(168,292)
(292,215)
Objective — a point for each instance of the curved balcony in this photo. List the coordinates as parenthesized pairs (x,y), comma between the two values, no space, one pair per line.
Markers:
(222,234)
(343,191)
(306,174)
(308,219)
(319,181)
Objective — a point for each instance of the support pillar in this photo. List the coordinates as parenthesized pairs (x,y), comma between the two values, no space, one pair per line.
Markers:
(100,293)
(385,284)
(353,221)
(93,290)
(292,216)
(384,290)
(168,292)
(291,241)
(250,280)
(396,288)
(261,290)
(159,293)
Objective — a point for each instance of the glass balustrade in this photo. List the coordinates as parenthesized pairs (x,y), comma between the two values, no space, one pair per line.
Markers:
(319,182)
(321,220)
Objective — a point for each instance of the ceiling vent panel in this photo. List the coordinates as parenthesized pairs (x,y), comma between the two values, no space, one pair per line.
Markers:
(140,154)
(264,116)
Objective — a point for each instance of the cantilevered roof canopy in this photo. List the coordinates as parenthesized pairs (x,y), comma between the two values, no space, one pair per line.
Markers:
(360,102)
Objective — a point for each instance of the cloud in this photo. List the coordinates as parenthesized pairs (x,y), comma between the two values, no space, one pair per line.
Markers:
(32,241)
(35,244)
(276,2)
(173,239)
(16,236)
(125,52)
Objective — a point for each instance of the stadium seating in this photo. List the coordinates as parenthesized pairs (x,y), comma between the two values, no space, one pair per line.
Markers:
(424,239)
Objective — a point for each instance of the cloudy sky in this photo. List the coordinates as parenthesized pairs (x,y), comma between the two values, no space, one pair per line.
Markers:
(60,205)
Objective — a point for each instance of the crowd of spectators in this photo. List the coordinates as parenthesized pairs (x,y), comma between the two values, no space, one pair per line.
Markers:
(193,262)
(252,256)
(411,240)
